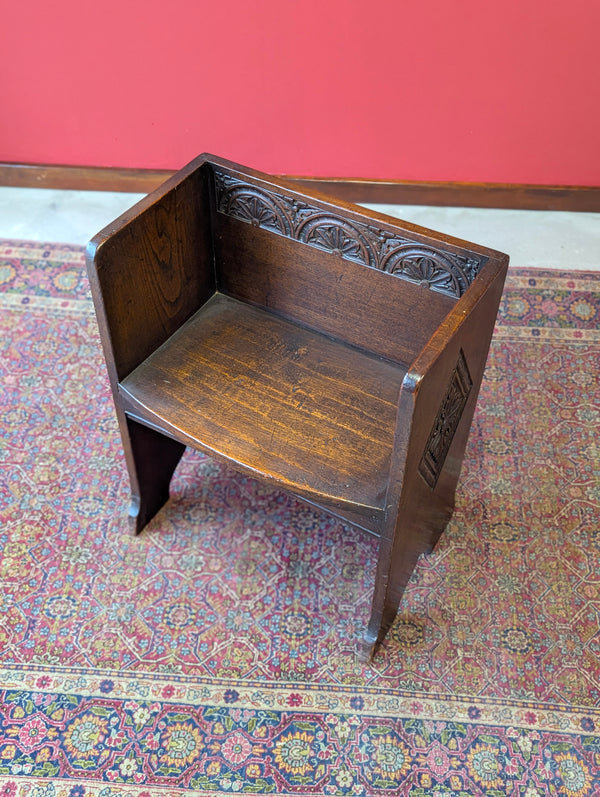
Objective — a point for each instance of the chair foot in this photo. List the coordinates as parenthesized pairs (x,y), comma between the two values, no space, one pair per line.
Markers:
(141,513)
(368,646)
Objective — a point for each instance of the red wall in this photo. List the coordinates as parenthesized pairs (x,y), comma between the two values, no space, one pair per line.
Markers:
(428,90)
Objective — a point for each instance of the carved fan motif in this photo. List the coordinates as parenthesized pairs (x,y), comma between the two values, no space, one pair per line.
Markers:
(259,214)
(256,207)
(446,422)
(442,271)
(339,237)
(427,267)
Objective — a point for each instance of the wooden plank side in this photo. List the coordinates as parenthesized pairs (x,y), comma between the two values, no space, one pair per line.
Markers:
(277,399)
(152,269)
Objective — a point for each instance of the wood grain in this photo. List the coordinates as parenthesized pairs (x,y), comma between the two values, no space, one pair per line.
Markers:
(154,271)
(280,400)
(365,307)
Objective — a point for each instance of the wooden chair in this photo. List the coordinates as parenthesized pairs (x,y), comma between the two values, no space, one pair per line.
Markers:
(322,348)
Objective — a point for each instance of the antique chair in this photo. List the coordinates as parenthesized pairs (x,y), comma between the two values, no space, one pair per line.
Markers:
(322,348)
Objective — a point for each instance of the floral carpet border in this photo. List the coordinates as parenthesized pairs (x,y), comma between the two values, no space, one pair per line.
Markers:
(271,740)
(262,695)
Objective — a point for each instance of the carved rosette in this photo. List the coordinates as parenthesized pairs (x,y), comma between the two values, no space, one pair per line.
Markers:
(332,234)
(446,422)
(442,271)
(429,267)
(254,206)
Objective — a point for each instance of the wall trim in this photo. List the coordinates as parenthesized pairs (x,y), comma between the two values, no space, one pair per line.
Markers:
(81,178)
(388,192)
(454,194)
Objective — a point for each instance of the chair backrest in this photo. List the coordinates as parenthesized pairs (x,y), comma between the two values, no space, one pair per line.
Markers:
(356,278)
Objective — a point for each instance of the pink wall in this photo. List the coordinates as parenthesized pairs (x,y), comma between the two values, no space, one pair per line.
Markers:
(428,90)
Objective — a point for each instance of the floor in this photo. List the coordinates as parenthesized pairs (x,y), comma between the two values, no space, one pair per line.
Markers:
(546,239)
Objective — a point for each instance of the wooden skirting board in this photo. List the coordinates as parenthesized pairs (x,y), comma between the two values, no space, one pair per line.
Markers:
(389,192)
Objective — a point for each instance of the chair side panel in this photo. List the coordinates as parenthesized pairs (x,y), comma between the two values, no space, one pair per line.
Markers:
(151,273)
(435,412)
(437,404)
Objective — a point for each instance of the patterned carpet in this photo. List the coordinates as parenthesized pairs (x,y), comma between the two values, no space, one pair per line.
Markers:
(215,653)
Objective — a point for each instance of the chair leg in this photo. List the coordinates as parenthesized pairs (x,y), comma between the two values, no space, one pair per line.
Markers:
(419,522)
(151,460)
(396,561)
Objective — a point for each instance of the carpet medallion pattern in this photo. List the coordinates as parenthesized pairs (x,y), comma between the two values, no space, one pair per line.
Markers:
(216,652)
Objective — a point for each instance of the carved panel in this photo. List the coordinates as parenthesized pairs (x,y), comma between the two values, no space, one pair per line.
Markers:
(250,204)
(442,271)
(446,422)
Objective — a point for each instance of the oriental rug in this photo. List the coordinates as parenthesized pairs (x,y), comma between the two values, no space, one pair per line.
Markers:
(216,653)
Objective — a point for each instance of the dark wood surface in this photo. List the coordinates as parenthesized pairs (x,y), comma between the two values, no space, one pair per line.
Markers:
(390,192)
(154,270)
(322,348)
(437,433)
(280,400)
(391,318)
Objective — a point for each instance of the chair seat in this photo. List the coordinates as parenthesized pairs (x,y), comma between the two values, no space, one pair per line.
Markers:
(276,399)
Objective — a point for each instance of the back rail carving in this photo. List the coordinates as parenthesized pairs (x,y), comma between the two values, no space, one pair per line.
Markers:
(446,272)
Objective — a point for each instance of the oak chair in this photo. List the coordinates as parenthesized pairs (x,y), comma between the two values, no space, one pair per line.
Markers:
(322,348)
